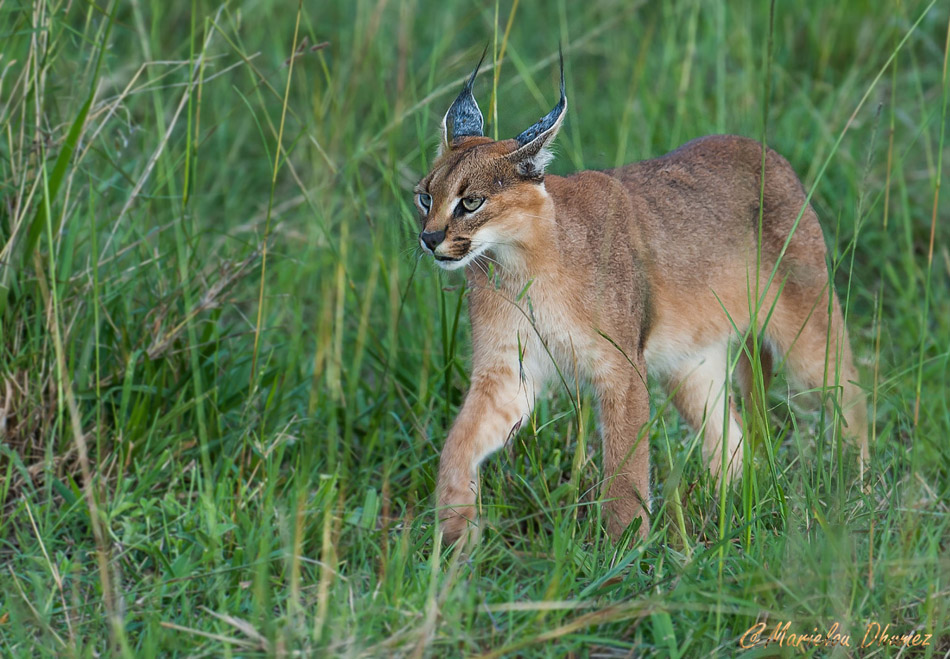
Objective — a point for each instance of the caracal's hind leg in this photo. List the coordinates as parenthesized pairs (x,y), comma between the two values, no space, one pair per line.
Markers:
(699,390)
(814,344)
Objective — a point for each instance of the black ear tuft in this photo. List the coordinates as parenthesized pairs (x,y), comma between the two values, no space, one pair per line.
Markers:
(533,154)
(546,122)
(464,118)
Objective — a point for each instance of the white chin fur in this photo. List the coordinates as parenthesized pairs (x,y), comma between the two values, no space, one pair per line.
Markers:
(465,260)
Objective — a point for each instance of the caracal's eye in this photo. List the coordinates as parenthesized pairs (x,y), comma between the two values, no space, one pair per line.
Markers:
(425,201)
(472,203)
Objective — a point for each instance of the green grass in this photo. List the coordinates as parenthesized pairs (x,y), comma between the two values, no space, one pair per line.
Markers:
(225,374)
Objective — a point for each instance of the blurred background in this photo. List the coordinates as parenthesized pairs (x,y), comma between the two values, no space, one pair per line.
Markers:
(226,373)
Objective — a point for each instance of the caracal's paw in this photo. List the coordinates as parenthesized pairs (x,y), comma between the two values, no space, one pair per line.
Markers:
(457,514)
(457,528)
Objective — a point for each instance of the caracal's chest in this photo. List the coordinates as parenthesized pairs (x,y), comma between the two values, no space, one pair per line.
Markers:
(552,327)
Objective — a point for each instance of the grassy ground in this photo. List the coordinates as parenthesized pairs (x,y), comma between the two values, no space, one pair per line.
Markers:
(225,375)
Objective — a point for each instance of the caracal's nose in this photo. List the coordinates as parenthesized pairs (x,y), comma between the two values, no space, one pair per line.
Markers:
(431,239)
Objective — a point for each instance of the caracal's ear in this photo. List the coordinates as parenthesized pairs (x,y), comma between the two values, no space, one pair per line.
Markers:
(463,118)
(533,153)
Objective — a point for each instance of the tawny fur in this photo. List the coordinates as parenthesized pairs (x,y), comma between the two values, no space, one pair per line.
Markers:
(651,266)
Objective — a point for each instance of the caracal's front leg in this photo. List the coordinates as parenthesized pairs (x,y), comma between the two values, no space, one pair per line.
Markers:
(498,403)
(624,411)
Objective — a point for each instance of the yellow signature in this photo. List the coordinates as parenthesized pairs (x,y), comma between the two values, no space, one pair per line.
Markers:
(756,636)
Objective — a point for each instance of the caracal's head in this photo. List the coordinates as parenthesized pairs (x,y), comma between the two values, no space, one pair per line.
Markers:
(482,195)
